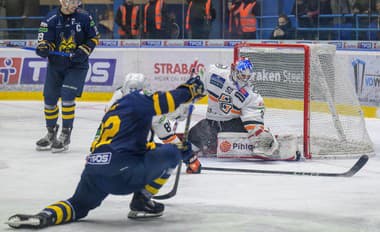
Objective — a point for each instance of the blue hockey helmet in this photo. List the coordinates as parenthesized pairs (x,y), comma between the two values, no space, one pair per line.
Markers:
(242,71)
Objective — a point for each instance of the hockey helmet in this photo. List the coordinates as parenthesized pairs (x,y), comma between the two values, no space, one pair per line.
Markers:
(133,82)
(242,71)
(70,5)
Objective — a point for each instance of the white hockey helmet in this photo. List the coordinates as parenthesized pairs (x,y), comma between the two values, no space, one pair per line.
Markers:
(133,82)
(242,71)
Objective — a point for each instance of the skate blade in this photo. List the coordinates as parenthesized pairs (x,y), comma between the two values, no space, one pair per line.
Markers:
(43,148)
(55,150)
(142,215)
(16,222)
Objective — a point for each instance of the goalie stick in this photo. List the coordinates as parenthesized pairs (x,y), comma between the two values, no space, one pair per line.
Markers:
(352,171)
(173,191)
(56,53)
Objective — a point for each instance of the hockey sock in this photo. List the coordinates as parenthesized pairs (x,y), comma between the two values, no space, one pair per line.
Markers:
(68,114)
(51,115)
(154,186)
(62,211)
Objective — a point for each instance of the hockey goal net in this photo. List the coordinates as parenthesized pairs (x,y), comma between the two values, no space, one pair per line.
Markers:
(305,96)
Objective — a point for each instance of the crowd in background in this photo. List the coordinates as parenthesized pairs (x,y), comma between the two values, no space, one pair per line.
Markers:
(211,19)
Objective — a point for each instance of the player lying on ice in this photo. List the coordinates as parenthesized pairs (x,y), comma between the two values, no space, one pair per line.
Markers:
(161,126)
(233,106)
(120,161)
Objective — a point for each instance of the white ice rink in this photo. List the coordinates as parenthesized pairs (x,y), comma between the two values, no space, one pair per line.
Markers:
(212,201)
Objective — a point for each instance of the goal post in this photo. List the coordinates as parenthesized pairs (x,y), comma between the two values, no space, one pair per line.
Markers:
(305,96)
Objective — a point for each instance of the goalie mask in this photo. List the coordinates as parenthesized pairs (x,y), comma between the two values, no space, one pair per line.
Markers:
(133,82)
(69,6)
(242,72)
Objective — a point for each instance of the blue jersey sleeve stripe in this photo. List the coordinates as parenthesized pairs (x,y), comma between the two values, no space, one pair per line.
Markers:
(156,104)
(170,100)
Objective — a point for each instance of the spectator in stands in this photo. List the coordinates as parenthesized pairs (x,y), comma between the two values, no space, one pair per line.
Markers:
(247,19)
(199,17)
(234,31)
(375,35)
(340,7)
(363,7)
(306,12)
(3,23)
(324,9)
(105,25)
(284,29)
(23,8)
(127,18)
(155,19)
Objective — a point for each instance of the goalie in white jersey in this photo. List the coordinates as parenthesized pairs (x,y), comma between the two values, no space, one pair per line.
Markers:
(233,106)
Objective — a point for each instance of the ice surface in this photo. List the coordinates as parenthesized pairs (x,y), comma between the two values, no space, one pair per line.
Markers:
(211,201)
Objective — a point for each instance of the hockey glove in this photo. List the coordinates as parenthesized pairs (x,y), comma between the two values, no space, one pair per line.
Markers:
(80,54)
(43,50)
(194,166)
(191,160)
(195,86)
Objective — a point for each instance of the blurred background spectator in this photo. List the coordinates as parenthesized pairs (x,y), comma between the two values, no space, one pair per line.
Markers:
(199,17)
(234,31)
(247,19)
(3,23)
(306,12)
(127,18)
(324,19)
(375,23)
(284,29)
(24,9)
(230,19)
(155,20)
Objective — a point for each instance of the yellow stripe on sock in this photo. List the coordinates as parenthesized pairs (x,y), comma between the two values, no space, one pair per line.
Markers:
(51,116)
(49,111)
(160,181)
(68,109)
(68,210)
(151,189)
(70,116)
(59,213)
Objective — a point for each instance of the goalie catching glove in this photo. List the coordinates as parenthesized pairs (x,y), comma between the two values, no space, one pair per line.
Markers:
(195,86)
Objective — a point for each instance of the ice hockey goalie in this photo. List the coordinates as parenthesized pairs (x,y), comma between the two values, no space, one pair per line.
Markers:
(235,114)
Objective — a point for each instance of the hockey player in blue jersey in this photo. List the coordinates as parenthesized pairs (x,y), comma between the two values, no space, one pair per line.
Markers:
(120,161)
(71,30)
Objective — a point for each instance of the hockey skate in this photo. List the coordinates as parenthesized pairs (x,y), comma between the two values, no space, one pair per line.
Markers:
(143,207)
(62,143)
(37,221)
(46,142)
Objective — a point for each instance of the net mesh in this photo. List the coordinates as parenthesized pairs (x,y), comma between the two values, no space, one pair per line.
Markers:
(337,128)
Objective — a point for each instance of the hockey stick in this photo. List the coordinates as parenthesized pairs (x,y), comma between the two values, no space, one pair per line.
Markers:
(352,171)
(54,53)
(173,191)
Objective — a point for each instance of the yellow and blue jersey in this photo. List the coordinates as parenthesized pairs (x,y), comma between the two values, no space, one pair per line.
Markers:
(125,126)
(64,33)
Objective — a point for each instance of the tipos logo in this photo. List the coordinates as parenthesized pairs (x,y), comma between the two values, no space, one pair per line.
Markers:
(225,146)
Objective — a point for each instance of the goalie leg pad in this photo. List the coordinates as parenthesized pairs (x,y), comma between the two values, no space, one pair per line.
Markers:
(238,145)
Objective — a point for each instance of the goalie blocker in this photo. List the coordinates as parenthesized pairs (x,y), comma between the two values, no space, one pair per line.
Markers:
(238,145)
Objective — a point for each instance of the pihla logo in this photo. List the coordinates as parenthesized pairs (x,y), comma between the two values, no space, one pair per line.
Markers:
(225,146)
